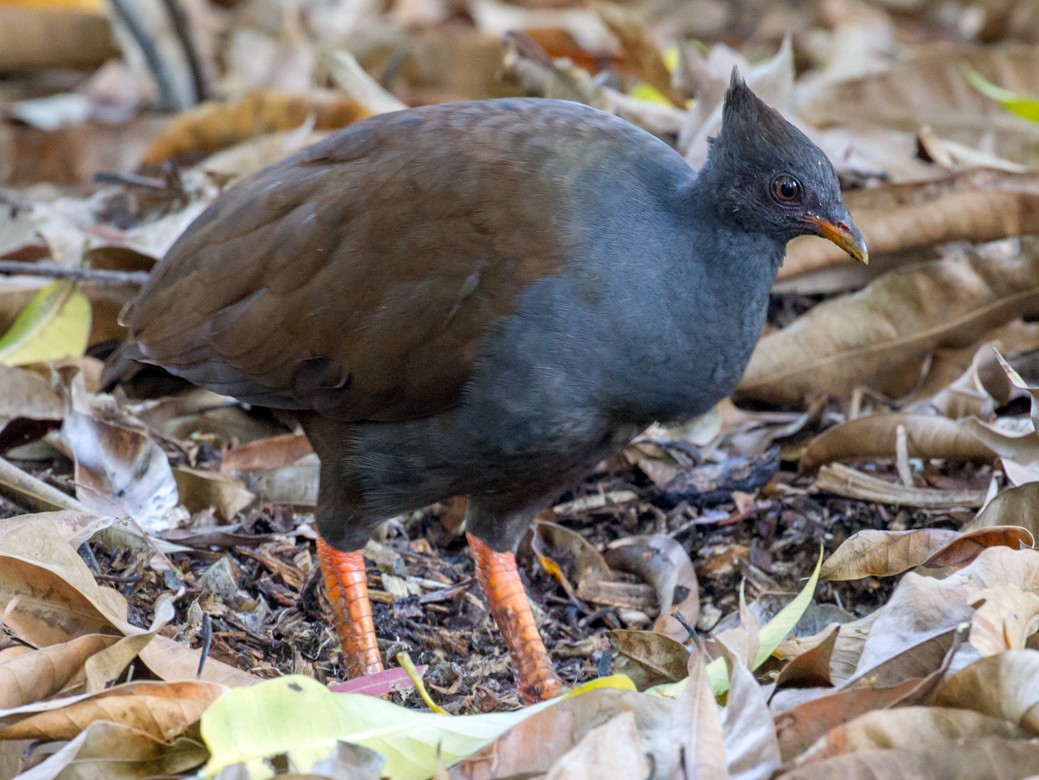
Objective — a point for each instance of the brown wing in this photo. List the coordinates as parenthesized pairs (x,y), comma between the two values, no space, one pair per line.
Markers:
(358,277)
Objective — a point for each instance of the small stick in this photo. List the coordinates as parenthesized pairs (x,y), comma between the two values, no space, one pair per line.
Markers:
(53,271)
(182,27)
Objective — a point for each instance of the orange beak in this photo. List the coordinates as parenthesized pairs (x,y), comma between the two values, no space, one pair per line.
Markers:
(843,234)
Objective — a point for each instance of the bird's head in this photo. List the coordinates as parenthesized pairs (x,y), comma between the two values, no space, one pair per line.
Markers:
(772,179)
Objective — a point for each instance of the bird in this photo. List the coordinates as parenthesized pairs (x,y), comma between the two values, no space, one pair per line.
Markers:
(484,299)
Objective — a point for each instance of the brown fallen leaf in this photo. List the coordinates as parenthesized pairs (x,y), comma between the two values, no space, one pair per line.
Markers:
(649,658)
(908,728)
(870,553)
(810,669)
(114,750)
(535,744)
(162,710)
(40,674)
(882,333)
(663,563)
(987,757)
(922,607)
(49,594)
(1018,506)
(640,50)
(976,206)
(1002,686)
(874,437)
(800,727)
(611,751)
(960,551)
(268,453)
(201,490)
(696,726)
(751,743)
(971,368)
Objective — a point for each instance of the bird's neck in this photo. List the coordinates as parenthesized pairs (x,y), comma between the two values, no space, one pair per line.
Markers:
(710,330)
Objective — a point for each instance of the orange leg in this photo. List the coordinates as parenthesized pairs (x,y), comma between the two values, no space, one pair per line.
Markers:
(501,584)
(347,589)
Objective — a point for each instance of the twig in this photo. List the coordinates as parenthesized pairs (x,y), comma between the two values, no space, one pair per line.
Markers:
(52,271)
(182,28)
(168,98)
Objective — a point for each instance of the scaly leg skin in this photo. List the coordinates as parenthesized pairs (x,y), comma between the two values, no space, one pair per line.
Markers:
(347,587)
(499,578)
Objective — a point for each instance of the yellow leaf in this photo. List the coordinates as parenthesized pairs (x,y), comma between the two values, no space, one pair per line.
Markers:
(55,324)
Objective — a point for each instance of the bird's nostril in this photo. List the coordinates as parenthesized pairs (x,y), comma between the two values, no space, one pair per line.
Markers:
(842,226)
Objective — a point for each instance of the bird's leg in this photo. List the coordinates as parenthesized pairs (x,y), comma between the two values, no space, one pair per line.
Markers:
(501,585)
(347,587)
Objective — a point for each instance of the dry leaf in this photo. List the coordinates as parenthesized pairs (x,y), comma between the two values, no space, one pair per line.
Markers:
(884,331)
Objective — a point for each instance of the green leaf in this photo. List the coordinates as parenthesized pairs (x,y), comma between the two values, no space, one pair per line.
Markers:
(1025,106)
(772,633)
(55,324)
(299,717)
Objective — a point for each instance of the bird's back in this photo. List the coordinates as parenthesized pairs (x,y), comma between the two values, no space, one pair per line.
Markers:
(358,277)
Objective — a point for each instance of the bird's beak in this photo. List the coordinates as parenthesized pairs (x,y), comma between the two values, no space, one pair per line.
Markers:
(843,234)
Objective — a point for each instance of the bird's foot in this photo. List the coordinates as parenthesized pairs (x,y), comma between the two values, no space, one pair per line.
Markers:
(499,578)
(347,587)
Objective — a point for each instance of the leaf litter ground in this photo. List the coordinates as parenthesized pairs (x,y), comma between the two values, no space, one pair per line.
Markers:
(252,589)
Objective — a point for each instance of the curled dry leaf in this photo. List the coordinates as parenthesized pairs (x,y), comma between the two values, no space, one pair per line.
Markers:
(49,594)
(956,368)
(160,709)
(539,74)
(40,674)
(812,667)
(968,545)
(1018,506)
(201,490)
(1005,617)
(977,392)
(640,50)
(696,726)
(121,471)
(1008,437)
(73,526)
(870,553)
(25,395)
(663,563)
(886,329)
(568,557)
(875,436)
(751,745)
(923,606)
(1020,383)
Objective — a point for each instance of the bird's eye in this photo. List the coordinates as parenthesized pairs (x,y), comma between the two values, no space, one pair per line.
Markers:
(786,189)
